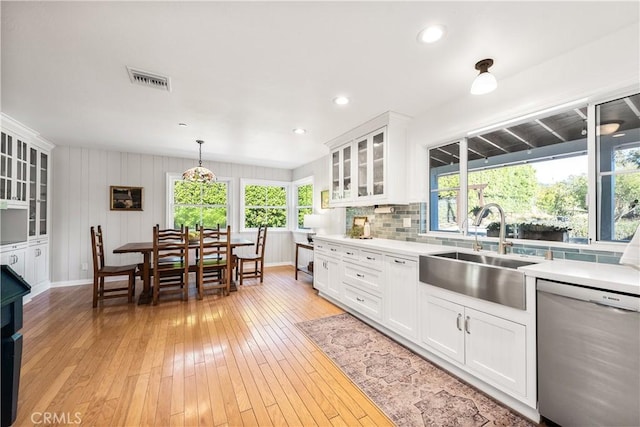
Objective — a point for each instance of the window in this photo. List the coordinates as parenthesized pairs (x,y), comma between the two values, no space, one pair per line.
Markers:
(192,203)
(303,200)
(535,170)
(264,203)
(618,162)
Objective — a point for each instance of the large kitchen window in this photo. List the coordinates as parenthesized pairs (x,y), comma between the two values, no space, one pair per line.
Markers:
(537,170)
(193,203)
(264,202)
(618,162)
(303,200)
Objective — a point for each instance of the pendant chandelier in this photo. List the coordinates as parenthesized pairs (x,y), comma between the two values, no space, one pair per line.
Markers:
(199,173)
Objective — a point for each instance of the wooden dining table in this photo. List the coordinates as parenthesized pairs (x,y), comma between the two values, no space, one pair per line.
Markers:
(146,249)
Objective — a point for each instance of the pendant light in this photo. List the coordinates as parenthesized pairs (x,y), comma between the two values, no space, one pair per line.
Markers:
(199,173)
(485,82)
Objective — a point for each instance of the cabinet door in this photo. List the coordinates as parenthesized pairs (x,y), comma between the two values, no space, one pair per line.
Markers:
(401,296)
(13,170)
(346,172)
(43,194)
(320,273)
(15,260)
(495,350)
(442,326)
(334,282)
(378,173)
(336,178)
(363,162)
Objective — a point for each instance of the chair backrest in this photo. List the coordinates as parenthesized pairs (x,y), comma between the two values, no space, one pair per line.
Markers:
(169,234)
(170,249)
(261,241)
(97,247)
(212,247)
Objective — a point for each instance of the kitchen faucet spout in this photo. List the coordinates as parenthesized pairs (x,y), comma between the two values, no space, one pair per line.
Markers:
(502,243)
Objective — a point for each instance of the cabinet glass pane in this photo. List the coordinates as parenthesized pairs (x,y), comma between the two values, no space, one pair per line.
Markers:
(346,164)
(378,164)
(362,168)
(335,175)
(33,171)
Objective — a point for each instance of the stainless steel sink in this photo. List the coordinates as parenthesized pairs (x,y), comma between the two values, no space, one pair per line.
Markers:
(481,276)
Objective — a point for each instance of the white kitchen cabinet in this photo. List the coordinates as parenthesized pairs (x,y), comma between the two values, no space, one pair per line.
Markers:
(341,174)
(368,163)
(363,302)
(13,170)
(401,296)
(14,255)
(37,262)
(38,192)
(491,348)
(327,267)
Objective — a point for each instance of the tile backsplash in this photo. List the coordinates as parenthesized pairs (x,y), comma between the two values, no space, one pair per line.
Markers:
(391,226)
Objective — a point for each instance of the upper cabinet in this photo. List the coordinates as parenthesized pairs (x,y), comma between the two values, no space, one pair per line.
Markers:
(39,155)
(367,164)
(13,170)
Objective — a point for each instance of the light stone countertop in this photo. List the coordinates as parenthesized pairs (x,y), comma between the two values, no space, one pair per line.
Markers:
(620,278)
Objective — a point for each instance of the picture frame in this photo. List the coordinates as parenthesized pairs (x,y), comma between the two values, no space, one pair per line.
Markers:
(124,198)
(359,221)
(324,199)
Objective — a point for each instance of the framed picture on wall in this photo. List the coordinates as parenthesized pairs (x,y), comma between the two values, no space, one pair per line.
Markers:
(125,198)
(324,199)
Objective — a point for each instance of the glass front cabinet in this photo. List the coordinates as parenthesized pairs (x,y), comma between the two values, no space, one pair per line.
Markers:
(368,163)
(13,171)
(38,192)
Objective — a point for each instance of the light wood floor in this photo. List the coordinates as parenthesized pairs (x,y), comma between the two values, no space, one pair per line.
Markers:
(238,360)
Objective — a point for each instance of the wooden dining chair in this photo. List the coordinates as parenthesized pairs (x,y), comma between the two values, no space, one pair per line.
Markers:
(100,271)
(257,258)
(170,262)
(214,264)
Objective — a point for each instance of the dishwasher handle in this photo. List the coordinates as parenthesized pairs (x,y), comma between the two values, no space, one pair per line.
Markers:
(596,296)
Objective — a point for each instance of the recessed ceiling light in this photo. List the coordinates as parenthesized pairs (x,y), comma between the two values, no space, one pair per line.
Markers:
(184,125)
(431,34)
(299,131)
(341,100)
(618,135)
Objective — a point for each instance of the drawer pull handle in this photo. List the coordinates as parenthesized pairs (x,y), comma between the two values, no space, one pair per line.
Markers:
(467,322)
(359,275)
(370,258)
(359,299)
(458,322)
(349,253)
(333,250)
(399,262)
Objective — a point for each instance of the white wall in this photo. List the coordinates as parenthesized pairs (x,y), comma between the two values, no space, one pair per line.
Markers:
(319,169)
(80,198)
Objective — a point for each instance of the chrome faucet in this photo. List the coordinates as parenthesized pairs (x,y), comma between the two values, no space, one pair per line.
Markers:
(502,243)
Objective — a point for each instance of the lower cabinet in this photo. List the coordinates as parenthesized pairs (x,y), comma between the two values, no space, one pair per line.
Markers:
(37,266)
(15,257)
(401,296)
(326,276)
(492,348)
(363,302)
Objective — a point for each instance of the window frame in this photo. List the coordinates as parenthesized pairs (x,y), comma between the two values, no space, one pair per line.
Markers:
(296,208)
(263,182)
(174,177)
(592,174)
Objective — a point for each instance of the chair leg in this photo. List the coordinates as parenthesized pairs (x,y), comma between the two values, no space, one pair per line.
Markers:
(241,272)
(155,292)
(261,271)
(95,291)
(132,284)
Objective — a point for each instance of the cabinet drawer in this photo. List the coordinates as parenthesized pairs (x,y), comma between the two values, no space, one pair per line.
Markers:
(371,259)
(363,302)
(334,250)
(350,254)
(367,279)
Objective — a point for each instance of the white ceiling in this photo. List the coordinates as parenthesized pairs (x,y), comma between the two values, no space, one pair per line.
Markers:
(244,74)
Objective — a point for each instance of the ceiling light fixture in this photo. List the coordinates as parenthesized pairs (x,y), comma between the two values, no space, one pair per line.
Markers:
(199,173)
(608,127)
(618,135)
(299,131)
(341,100)
(431,34)
(485,82)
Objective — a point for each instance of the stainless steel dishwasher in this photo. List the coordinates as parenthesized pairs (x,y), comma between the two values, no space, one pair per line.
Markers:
(588,355)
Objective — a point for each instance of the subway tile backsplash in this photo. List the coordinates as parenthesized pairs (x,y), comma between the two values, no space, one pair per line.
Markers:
(390,226)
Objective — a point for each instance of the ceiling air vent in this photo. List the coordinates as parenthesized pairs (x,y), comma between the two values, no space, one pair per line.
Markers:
(146,78)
